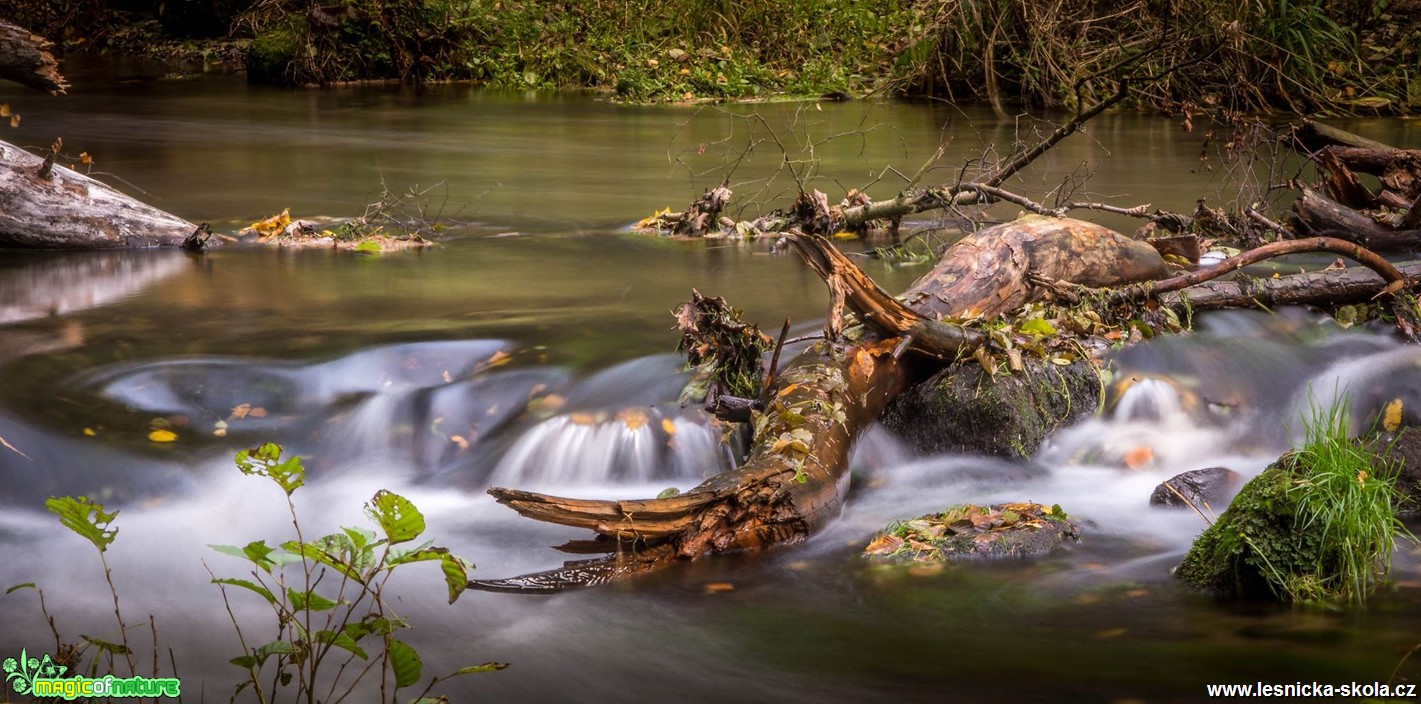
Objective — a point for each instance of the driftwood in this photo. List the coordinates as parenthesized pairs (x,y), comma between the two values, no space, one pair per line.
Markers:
(1309,136)
(25,59)
(45,205)
(795,477)
(1317,214)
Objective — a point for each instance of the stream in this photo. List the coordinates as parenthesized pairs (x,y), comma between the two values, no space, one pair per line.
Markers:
(533,348)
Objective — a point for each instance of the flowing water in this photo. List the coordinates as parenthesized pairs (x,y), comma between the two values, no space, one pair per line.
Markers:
(531,349)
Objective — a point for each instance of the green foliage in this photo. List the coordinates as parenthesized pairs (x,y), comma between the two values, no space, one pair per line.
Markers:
(642,50)
(265,461)
(352,619)
(1318,526)
(88,520)
(348,618)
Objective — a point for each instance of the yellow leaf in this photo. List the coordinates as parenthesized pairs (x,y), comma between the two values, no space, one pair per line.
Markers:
(715,587)
(90,432)
(14,120)
(669,426)
(863,364)
(633,418)
(4,109)
(161,435)
(85,159)
(1391,417)
(273,225)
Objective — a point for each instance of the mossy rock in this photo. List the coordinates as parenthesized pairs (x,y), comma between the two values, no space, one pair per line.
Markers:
(1255,537)
(1404,446)
(969,530)
(962,409)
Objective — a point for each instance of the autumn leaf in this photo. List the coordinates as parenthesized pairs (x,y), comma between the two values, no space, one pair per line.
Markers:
(1391,416)
(162,435)
(885,544)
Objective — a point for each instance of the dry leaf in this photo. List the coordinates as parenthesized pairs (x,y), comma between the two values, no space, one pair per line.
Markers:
(884,545)
(669,426)
(717,587)
(161,435)
(1139,457)
(1391,416)
(241,411)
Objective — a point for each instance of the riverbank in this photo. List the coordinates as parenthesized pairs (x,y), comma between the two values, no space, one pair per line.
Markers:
(1307,57)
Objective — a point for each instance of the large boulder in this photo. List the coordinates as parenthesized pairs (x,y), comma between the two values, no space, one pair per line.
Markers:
(963,409)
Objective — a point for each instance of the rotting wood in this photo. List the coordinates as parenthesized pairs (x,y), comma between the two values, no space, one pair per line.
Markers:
(25,58)
(1319,215)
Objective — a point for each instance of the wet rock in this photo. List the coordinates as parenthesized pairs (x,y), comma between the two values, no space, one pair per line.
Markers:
(1199,487)
(1404,447)
(969,530)
(964,410)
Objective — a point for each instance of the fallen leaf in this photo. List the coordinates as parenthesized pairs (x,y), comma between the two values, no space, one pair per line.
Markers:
(258,412)
(460,441)
(669,426)
(634,418)
(241,411)
(90,432)
(161,435)
(863,364)
(1391,417)
(499,358)
(1139,457)
(884,545)
(717,587)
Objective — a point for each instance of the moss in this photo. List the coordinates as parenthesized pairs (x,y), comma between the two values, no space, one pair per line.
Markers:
(963,409)
(271,54)
(1256,538)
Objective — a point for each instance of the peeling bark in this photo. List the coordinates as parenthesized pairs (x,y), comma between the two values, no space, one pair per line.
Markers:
(25,59)
(68,210)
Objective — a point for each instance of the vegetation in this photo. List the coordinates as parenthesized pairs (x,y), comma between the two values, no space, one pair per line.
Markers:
(1297,55)
(1318,526)
(321,630)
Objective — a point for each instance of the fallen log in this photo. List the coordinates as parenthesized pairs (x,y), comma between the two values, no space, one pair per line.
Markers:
(796,475)
(1311,136)
(45,205)
(1333,287)
(1319,215)
(25,59)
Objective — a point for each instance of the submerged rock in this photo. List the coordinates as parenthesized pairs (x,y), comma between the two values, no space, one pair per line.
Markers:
(964,410)
(1198,487)
(968,530)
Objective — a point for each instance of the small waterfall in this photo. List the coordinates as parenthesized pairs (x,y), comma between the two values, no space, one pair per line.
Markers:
(630,446)
(1149,400)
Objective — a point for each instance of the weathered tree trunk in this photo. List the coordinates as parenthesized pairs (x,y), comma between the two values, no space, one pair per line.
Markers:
(1312,136)
(796,475)
(25,59)
(44,205)
(1321,215)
